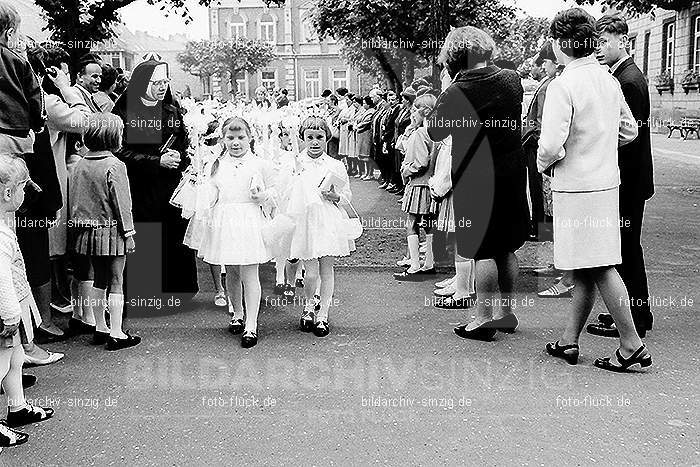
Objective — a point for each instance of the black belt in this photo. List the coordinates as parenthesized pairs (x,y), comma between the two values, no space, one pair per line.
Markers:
(17,133)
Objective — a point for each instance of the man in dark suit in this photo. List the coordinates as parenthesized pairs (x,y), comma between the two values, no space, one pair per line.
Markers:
(636,174)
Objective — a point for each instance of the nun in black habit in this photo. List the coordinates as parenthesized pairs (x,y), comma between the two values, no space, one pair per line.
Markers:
(154,150)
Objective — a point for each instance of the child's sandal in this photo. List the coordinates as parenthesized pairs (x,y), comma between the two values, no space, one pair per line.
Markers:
(27,415)
(321,329)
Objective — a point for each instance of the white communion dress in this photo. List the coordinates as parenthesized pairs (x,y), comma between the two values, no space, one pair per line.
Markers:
(233,233)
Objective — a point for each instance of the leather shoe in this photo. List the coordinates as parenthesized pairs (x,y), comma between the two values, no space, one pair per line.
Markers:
(114,343)
(600,329)
(606,319)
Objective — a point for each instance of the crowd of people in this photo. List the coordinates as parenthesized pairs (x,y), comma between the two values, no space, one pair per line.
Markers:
(91,170)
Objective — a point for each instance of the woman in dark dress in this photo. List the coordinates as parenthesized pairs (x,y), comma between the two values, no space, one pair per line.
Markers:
(154,150)
(481,111)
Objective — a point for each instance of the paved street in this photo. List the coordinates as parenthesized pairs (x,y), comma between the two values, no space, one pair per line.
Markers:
(392,384)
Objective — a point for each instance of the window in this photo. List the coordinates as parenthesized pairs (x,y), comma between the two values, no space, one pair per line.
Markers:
(312,83)
(269,79)
(696,44)
(667,52)
(268,31)
(113,58)
(340,79)
(632,47)
(645,65)
(308,30)
(237,27)
(242,85)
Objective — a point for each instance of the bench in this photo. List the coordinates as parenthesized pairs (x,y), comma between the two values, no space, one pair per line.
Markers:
(687,126)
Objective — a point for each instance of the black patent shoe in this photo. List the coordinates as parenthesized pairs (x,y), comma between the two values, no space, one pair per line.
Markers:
(279,289)
(114,343)
(405,276)
(321,329)
(77,327)
(10,437)
(451,303)
(29,414)
(606,319)
(249,339)
(508,324)
(640,357)
(569,353)
(299,283)
(236,326)
(306,322)
(483,333)
(99,338)
(289,291)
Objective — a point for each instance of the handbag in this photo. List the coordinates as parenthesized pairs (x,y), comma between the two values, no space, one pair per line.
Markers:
(351,227)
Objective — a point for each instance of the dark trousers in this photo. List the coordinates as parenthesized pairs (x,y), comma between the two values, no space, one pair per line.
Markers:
(535,185)
(632,270)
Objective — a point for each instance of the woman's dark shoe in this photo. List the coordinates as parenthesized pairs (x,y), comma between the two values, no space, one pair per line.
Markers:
(236,326)
(321,329)
(289,291)
(566,352)
(451,303)
(508,324)
(279,289)
(45,337)
(640,356)
(406,276)
(114,343)
(483,333)
(606,319)
(76,327)
(306,322)
(249,339)
(10,437)
(299,283)
(27,415)
(99,338)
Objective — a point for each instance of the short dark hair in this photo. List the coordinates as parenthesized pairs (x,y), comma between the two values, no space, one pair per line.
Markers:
(333,98)
(341,91)
(55,56)
(109,77)
(612,24)
(358,99)
(104,132)
(576,31)
(326,93)
(88,59)
(368,100)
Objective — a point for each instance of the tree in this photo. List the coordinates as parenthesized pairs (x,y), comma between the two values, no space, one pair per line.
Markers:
(638,7)
(225,58)
(80,24)
(525,40)
(394,36)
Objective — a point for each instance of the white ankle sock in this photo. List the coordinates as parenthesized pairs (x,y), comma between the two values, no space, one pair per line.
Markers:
(75,299)
(279,271)
(461,283)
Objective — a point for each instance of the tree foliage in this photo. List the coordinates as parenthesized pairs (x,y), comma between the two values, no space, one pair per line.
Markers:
(525,40)
(225,57)
(638,7)
(393,36)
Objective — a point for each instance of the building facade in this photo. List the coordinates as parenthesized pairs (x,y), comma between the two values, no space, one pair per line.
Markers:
(668,42)
(305,66)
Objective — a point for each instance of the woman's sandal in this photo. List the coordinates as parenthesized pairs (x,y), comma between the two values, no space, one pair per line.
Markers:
(236,326)
(321,329)
(569,353)
(27,415)
(624,363)
(482,333)
(10,437)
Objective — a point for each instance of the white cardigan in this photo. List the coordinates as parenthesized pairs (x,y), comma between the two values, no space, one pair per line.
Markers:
(585,119)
